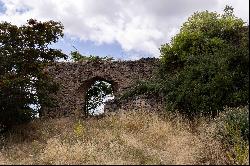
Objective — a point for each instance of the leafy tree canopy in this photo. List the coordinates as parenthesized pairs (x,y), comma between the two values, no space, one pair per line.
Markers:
(206,64)
(203,33)
(24,52)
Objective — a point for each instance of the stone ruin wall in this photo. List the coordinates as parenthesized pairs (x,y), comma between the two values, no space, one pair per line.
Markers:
(75,78)
(137,103)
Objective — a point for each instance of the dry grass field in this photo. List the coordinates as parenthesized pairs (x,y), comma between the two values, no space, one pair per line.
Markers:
(124,138)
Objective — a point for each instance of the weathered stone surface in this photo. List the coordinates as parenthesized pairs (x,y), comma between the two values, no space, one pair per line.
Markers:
(75,78)
(137,103)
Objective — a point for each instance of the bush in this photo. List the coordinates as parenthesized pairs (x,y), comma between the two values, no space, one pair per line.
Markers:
(206,86)
(206,65)
(233,132)
(143,87)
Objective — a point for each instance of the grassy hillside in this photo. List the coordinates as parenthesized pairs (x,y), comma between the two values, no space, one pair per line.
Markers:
(124,138)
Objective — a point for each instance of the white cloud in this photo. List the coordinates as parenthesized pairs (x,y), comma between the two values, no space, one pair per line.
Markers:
(137,25)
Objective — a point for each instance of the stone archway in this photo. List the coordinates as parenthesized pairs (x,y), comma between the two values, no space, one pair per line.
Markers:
(75,77)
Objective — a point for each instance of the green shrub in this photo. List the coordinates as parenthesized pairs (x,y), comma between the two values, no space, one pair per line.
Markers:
(233,132)
(205,67)
(237,119)
(143,87)
(206,86)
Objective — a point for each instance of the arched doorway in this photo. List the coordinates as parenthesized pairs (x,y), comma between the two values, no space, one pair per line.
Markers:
(98,92)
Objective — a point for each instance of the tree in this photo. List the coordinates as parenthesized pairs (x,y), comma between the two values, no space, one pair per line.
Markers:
(206,65)
(203,33)
(24,53)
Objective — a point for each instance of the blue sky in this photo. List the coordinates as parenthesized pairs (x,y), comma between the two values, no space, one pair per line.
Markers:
(91,48)
(122,29)
(2,7)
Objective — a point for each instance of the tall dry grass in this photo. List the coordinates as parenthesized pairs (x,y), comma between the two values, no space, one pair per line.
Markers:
(125,138)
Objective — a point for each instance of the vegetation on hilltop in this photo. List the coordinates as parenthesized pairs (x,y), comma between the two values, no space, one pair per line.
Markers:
(76,56)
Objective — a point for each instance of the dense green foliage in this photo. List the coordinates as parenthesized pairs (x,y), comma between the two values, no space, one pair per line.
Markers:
(237,119)
(205,67)
(207,64)
(24,52)
(207,84)
(151,87)
(233,132)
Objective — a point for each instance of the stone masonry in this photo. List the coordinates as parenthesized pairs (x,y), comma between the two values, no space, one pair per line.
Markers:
(136,103)
(75,78)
